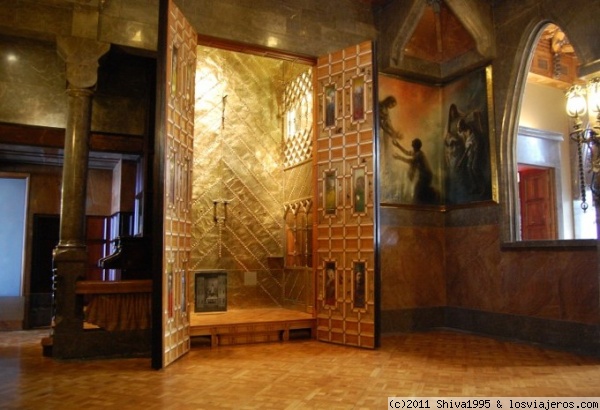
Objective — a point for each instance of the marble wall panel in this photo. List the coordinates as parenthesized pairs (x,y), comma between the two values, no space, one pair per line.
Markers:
(310,27)
(39,19)
(33,88)
(412,264)
(552,284)
(560,284)
(124,32)
(132,23)
(32,83)
(472,267)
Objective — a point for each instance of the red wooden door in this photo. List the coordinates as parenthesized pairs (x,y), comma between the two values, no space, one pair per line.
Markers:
(537,200)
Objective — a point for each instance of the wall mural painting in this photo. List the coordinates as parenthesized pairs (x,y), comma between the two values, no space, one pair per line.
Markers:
(467,154)
(410,142)
(330,294)
(434,141)
(358,284)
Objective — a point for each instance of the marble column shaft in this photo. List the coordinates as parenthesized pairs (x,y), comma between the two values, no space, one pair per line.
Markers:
(75,168)
(70,256)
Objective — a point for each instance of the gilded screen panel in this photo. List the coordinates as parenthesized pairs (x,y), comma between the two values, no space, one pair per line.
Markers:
(238,172)
(180,67)
(345,235)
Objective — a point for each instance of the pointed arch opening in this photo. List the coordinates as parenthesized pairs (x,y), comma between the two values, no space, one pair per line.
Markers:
(543,199)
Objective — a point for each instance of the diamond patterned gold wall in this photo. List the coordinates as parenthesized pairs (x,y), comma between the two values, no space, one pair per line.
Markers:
(238,197)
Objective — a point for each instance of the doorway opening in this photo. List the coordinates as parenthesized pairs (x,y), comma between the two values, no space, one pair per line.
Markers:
(252,193)
(537,198)
(13,214)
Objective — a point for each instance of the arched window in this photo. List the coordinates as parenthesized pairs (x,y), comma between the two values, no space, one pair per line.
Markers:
(544,190)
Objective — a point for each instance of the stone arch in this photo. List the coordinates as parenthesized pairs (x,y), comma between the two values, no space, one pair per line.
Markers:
(575,19)
(510,120)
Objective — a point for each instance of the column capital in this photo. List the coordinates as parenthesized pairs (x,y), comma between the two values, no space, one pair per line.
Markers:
(81,57)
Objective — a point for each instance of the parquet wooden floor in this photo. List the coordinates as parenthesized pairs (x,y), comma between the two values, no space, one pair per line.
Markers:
(303,374)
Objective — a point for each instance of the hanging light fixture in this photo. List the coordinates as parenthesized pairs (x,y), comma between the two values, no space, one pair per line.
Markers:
(582,100)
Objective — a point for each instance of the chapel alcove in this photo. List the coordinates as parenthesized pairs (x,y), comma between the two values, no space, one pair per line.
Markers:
(251,198)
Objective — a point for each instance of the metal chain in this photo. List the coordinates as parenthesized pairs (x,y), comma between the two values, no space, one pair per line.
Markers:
(584,204)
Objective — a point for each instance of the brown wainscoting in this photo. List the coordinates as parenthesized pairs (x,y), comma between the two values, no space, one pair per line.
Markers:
(556,334)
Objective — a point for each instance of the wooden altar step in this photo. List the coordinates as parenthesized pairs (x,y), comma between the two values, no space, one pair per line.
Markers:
(251,326)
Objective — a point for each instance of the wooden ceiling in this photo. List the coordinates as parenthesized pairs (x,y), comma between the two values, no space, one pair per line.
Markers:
(439,37)
(554,62)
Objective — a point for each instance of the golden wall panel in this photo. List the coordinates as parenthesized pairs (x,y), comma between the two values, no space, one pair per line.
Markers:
(238,193)
(297,182)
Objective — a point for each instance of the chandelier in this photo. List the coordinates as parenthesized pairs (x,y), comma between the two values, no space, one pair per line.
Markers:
(582,99)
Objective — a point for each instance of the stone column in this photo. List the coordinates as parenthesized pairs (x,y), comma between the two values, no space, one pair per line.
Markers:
(70,255)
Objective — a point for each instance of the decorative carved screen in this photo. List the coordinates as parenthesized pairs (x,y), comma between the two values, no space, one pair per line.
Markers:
(178,150)
(346,212)
(297,178)
(298,192)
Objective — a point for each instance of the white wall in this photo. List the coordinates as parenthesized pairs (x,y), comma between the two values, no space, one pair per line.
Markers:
(543,108)
(12,220)
(13,195)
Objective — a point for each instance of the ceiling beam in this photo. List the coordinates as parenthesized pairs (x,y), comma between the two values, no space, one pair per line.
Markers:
(47,137)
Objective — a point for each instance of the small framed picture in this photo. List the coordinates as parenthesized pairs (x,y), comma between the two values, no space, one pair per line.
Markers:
(330,192)
(171,177)
(329,284)
(210,291)
(330,105)
(174,70)
(359,190)
(358,285)
(358,98)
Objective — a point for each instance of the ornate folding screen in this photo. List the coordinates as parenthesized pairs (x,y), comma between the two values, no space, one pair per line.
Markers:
(298,192)
(346,211)
(178,149)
